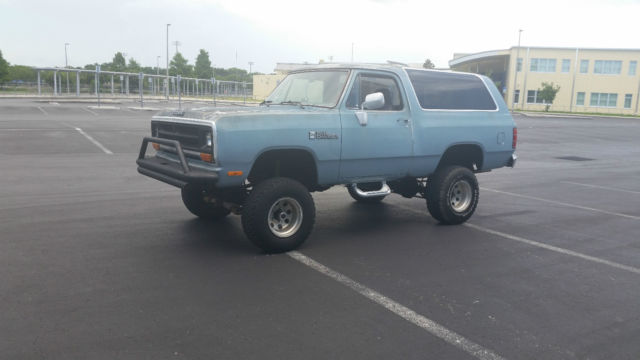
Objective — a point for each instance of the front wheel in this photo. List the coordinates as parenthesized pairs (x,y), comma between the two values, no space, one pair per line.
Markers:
(452,195)
(200,204)
(278,215)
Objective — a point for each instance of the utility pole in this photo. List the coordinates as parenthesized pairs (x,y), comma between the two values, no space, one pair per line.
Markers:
(515,78)
(66,65)
(250,66)
(167,82)
(176,43)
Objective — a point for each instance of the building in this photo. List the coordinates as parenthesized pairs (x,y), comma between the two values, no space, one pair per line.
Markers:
(591,80)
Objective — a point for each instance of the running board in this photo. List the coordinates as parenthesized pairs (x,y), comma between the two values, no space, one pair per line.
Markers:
(384,191)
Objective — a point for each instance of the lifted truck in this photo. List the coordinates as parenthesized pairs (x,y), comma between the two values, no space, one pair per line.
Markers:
(376,129)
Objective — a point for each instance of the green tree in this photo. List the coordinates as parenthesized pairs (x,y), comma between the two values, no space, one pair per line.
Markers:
(428,64)
(548,93)
(118,63)
(133,66)
(180,66)
(203,69)
(4,68)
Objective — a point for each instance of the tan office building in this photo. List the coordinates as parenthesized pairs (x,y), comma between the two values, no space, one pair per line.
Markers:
(591,80)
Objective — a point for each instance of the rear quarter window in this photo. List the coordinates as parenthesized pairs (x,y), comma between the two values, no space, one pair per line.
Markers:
(450,91)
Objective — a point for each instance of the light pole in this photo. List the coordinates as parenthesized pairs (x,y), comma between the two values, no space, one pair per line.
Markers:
(167,82)
(156,82)
(515,78)
(66,64)
(250,66)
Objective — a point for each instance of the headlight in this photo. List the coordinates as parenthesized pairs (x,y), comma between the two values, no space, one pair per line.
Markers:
(209,140)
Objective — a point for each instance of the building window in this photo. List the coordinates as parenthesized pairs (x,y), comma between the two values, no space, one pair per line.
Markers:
(543,65)
(519,65)
(632,67)
(580,99)
(607,67)
(603,100)
(532,97)
(516,96)
(584,66)
(627,101)
(566,64)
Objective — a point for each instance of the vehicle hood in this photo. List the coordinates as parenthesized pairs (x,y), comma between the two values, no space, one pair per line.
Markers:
(215,113)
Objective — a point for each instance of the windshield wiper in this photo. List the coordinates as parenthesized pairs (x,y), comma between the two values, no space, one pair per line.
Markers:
(292,103)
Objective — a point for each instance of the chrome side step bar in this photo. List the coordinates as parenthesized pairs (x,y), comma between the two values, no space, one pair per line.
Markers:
(384,190)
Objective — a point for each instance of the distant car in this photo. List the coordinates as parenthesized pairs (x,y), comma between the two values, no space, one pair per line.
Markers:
(375,129)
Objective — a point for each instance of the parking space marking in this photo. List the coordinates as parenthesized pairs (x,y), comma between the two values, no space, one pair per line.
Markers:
(89,111)
(555,248)
(404,312)
(94,141)
(41,109)
(563,204)
(601,187)
(560,250)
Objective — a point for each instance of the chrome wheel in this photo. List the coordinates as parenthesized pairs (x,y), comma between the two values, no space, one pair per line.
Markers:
(460,196)
(285,217)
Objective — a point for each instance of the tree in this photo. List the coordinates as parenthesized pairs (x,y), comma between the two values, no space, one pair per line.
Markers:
(4,68)
(428,64)
(547,94)
(118,63)
(203,69)
(180,66)
(133,66)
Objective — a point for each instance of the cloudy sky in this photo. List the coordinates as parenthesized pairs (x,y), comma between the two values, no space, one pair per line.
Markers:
(33,32)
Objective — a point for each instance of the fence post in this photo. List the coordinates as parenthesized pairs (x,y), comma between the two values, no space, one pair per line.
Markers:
(179,96)
(77,83)
(141,88)
(127,82)
(244,91)
(111,84)
(55,83)
(39,90)
(98,83)
(213,90)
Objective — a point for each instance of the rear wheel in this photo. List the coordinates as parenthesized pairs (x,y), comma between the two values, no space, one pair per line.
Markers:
(201,204)
(278,215)
(452,195)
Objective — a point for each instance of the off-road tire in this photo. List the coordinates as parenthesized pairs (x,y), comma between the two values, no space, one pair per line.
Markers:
(260,220)
(452,195)
(364,200)
(195,200)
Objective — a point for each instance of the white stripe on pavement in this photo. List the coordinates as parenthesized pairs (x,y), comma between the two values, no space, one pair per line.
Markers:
(564,204)
(41,109)
(601,187)
(94,141)
(89,111)
(427,324)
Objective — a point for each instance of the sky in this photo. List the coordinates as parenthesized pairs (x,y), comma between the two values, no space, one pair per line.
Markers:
(236,32)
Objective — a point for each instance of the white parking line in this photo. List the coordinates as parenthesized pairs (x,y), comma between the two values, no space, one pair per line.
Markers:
(564,204)
(601,187)
(41,109)
(89,111)
(427,324)
(95,142)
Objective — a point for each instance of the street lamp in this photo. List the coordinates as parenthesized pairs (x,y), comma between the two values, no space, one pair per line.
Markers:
(515,78)
(167,81)
(66,64)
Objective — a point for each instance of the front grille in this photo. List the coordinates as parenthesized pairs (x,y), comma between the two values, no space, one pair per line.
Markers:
(191,137)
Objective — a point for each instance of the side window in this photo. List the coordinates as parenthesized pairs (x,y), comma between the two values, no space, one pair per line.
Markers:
(366,84)
(450,91)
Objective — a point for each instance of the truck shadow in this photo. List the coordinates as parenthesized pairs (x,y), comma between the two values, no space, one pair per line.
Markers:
(224,235)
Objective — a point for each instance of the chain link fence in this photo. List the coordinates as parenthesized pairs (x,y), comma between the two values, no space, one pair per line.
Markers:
(110,84)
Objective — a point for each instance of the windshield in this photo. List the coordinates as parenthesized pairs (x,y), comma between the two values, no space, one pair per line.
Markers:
(313,88)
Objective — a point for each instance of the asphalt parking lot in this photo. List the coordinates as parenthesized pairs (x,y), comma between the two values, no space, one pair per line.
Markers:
(99,262)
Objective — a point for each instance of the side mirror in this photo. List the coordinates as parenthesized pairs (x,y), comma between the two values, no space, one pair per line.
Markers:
(373,101)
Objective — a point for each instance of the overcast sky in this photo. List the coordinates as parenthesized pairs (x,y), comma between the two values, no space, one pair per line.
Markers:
(33,32)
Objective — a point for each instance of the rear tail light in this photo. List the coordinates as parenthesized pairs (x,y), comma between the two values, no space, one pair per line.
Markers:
(515,138)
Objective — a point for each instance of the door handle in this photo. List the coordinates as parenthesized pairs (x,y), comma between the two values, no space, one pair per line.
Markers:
(405,121)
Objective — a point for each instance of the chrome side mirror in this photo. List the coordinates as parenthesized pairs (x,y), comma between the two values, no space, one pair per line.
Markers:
(373,101)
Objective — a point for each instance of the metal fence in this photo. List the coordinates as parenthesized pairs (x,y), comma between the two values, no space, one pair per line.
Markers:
(97,83)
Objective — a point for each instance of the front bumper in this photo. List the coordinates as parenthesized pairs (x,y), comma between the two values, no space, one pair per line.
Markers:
(176,174)
(512,160)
